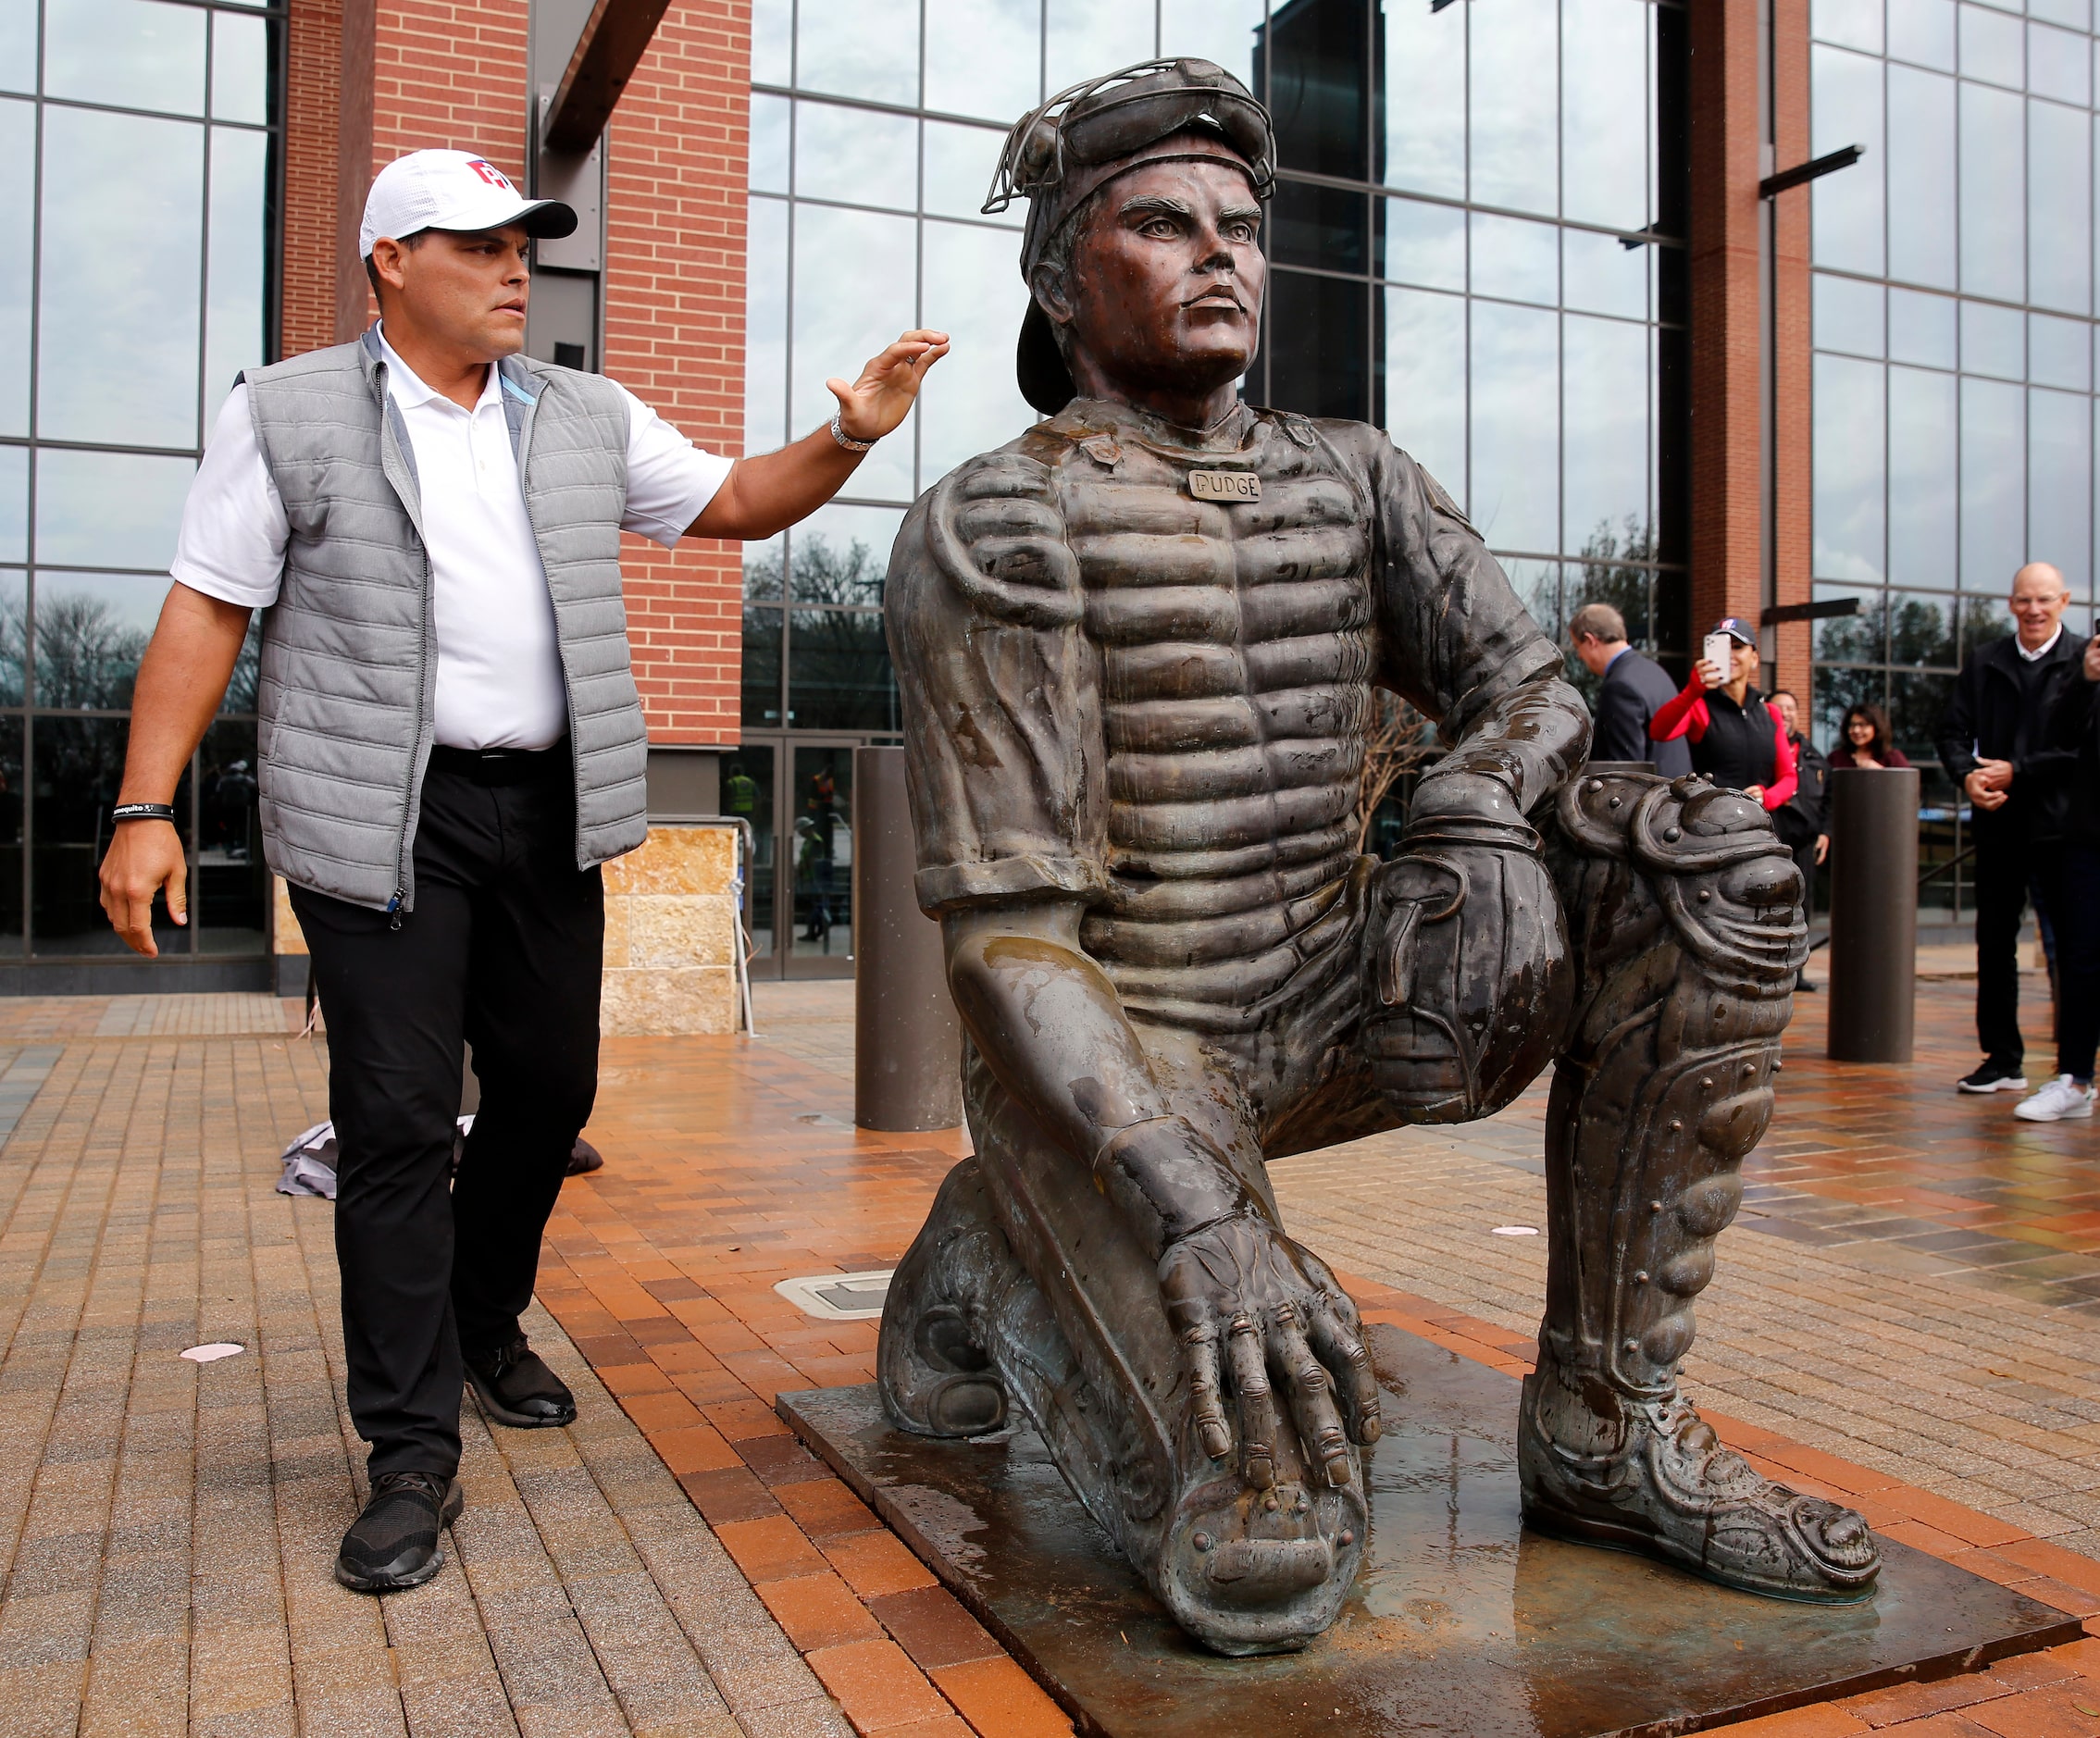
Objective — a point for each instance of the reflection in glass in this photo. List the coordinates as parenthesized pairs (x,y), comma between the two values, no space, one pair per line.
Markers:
(1994,164)
(117,345)
(1515,135)
(1922,329)
(982,57)
(1848,433)
(821,794)
(1848,315)
(1845,210)
(839,673)
(1983,619)
(1993,341)
(958,164)
(1424,244)
(1221,31)
(765,325)
(13,503)
(835,334)
(856,154)
(233,308)
(1513,258)
(1991,47)
(1922,629)
(1604,387)
(240,69)
(1318,343)
(11,807)
(1917,703)
(1992,478)
(1851,23)
(842,555)
(18,45)
(1604,111)
(762,668)
(1515,444)
(1920,178)
(746,793)
(1082,38)
(109,509)
(1600,277)
(859,48)
(1324,227)
(1614,576)
(2059,208)
(770,118)
(974,295)
(79,765)
(90,632)
(2059,485)
(229,898)
(1922,490)
(764,563)
(1425,382)
(129,53)
(1425,146)
(240,696)
(1319,86)
(14,634)
(2059,352)
(771,42)
(1537,585)
(1922,30)
(17,231)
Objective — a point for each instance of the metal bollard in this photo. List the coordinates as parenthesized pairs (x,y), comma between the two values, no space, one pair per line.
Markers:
(907,1041)
(1873,913)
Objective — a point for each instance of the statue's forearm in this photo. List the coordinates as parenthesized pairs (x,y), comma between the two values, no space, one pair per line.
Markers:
(1525,741)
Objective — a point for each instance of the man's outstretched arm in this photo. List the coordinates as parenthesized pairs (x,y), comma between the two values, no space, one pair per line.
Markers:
(182,681)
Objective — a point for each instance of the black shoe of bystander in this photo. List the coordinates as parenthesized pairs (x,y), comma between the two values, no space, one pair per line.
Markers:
(394,1543)
(1993,1076)
(515,1387)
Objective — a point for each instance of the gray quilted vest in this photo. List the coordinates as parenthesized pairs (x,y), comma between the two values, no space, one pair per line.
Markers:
(349,652)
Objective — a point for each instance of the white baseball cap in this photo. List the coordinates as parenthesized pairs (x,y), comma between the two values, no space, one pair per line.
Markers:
(452,190)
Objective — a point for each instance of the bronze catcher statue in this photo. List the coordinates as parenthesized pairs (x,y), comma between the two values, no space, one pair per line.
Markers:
(1136,647)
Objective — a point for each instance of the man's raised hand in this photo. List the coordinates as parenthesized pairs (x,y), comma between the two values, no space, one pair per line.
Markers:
(882,397)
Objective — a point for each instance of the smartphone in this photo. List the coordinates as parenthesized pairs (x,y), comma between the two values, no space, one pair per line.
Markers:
(1721,650)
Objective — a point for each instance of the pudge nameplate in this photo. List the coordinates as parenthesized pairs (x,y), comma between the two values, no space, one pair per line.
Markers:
(1224,485)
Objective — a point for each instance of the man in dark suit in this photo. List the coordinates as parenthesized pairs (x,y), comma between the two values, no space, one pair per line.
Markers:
(1994,743)
(1634,685)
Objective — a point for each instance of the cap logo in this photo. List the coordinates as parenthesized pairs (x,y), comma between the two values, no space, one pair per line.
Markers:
(489,172)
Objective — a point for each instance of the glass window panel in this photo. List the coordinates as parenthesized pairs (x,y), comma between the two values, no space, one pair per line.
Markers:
(2076,14)
(1850,444)
(1425,382)
(1083,39)
(1994,225)
(1845,210)
(839,672)
(867,48)
(762,668)
(1319,345)
(770,118)
(14,636)
(2059,352)
(1922,30)
(1426,244)
(835,334)
(109,509)
(1424,99)
(1985,619)
(857,155)
(1221,31)
(985,57)
(764,566)
(1848,315)
(765,325)
(1923,485)
(2060,65)
(18,230)
(240,69)
(1993,341)
(1991,48)
(2059,485)
(1601,276)
(958,165)
(841,554)
(1849,23)
(132,53)
(2059,208)
(13,503)
(240,696)
(90,632)
(11,836)
(229,895)
(1516,456)
(1319,88)
(1326,227)
(1538,588)
(771,42)
(1604,392)
(1922,629)
(123,196)
(1993,528)
(1921,171)
(976,295)
(233,305)
(1604,115)
(1917,703)
(80,765)
(1922,329)
(819,842)
(1515,259)
(1515,104)
(1861,638)
(18,45)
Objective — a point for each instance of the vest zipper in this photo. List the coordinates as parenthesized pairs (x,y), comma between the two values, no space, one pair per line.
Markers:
(393,907)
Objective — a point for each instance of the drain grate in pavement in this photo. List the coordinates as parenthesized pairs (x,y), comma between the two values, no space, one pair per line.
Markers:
(839,1296)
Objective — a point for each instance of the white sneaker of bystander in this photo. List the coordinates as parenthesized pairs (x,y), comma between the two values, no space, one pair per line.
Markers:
(2063,1097)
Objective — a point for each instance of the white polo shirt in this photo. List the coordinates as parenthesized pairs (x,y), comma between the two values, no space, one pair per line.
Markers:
(499,666)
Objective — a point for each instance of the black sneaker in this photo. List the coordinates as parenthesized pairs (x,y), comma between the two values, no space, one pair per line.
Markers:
(1995,1077)
(394,1543)
(515,1387)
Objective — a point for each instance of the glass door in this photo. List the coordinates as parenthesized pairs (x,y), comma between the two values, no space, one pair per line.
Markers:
(816,902)
(748,795)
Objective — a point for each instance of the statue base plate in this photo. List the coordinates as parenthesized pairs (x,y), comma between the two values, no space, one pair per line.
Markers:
(1462,1622)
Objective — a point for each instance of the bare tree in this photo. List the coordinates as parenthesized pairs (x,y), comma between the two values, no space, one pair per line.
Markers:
(1402,741)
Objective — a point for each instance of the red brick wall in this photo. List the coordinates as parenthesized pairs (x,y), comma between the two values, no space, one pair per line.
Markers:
(1793,484)
(315,53)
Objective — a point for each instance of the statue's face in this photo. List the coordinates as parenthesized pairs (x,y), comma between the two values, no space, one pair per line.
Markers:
(1164,287)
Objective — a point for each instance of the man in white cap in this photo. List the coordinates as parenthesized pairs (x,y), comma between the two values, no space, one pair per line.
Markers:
(451,745)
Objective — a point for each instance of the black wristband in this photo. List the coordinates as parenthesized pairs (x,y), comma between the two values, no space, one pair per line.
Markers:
(143,811)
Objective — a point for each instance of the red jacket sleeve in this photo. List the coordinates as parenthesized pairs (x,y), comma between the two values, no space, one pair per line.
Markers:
(1686,713)
(1786,774)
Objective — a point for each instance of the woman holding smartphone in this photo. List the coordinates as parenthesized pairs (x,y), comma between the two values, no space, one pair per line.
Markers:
(1738,739)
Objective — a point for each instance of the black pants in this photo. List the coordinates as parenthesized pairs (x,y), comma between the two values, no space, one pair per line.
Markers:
(2009,872)
(2077,911)
(503,951)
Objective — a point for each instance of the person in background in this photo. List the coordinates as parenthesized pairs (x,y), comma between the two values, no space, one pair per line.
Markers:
(1802,821)
(1738,740)
(1994,744)
(1634,685)
(1863,741)
(2073,729)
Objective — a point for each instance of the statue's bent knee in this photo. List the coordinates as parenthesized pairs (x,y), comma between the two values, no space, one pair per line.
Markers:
(1685,917)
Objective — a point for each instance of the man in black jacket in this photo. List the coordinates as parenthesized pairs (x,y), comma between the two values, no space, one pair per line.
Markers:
(1802,821)
(1995,742)
(1634,685)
